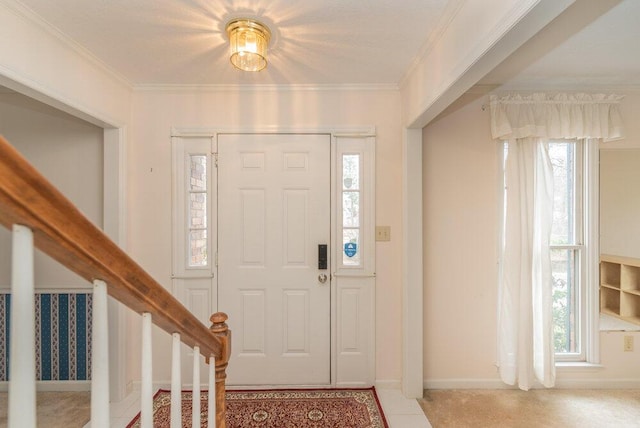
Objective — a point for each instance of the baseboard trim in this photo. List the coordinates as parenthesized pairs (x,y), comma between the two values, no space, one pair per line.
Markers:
(560,384)
(465,384)
(388,384)
(598,383)
(347,385)
(56,385)
(135,386)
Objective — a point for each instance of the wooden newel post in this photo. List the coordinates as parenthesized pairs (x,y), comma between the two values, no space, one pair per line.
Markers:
(221,330)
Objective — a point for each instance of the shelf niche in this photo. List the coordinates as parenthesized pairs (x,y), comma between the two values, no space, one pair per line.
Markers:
(620,287)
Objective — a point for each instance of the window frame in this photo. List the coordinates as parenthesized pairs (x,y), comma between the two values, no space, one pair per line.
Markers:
(343,190)
(183,148)
(205,226)
(364,149)
(592,251)
(579,249)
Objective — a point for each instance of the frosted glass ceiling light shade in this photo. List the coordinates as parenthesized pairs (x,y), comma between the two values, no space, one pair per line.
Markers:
(249,40)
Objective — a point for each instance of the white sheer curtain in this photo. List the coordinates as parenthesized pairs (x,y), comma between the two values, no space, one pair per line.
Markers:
(527,123)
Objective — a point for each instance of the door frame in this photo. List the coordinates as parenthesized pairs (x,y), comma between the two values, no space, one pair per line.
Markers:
(358,284)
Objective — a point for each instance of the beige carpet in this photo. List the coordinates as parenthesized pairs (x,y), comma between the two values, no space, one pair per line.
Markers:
(537,408)
(56,409)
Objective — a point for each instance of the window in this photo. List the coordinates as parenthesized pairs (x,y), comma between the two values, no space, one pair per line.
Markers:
(193,201)
(351,209)
(568,255)
(354,242)
(573,245)
(197,215)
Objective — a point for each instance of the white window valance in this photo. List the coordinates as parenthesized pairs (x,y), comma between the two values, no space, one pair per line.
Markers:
(561,115)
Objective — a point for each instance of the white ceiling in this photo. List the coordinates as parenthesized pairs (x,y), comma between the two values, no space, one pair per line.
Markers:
(592,44)
(338,42)
(184,41)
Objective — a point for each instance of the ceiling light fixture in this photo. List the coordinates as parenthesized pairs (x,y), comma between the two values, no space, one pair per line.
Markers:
(249,40)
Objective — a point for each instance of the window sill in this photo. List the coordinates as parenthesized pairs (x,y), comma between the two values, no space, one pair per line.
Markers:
(577,366)
(610,323)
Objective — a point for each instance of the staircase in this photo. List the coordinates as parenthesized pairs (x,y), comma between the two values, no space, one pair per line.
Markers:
(39,216)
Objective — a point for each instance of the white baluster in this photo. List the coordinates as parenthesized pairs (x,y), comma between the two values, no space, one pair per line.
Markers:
(176,385)
(211,403)
(100,358)
(146,393)
(195,406)
(22,372)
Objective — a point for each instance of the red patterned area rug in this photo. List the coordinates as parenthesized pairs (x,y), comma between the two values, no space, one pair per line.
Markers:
(292,408)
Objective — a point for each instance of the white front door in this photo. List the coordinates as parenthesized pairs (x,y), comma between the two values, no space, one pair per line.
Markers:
(273,213)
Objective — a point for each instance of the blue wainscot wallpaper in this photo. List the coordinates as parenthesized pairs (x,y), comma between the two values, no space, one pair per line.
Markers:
(63,336)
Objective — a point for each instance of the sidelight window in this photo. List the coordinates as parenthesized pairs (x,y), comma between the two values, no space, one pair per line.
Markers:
(351,222)
(197,211)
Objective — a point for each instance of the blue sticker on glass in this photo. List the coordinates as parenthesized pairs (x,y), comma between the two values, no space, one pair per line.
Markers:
(350,249)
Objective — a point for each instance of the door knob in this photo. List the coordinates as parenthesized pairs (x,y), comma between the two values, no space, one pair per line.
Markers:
(322,278)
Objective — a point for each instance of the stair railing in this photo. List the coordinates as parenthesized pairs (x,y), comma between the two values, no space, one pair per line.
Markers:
(40,216)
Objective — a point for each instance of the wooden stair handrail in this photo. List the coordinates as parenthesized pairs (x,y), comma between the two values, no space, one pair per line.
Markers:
(65,234)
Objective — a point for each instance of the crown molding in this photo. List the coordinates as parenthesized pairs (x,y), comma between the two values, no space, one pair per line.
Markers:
(561,87)
(448,15)
(26,13)
(212,131)
(262,88)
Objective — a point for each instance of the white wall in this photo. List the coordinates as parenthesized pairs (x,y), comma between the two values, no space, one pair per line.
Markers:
(460,162)
(67,151)
(459,197)
(620,202)
(620,186)
(38,60)
(149,172)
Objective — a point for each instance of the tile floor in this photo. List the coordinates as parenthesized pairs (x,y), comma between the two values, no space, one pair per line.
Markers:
(399,411)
